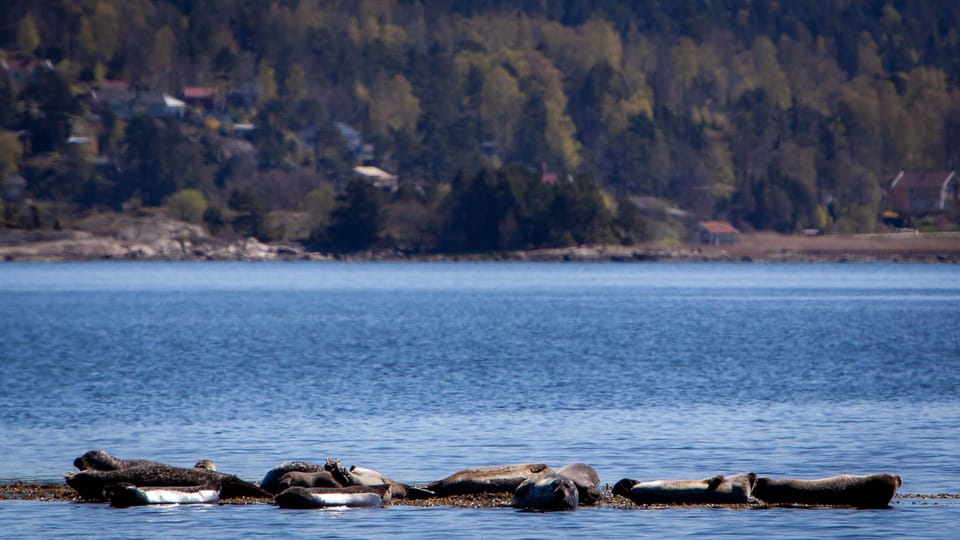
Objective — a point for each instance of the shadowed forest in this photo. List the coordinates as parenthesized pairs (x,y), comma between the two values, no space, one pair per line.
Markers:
(492,124)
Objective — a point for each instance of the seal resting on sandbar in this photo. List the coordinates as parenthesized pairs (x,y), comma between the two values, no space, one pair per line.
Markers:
(735,489)
(271,480)
(490,479)
(860,491)
(360,476)
(350,496)
(124,495)
(90,484)
(569,487)
(586,479)
(308,480)
(548,491)
(98,460)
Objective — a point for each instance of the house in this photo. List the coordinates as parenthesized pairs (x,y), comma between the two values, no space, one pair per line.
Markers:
(380,178)
(914,192)
(158,105)
(717,233)
(21,69)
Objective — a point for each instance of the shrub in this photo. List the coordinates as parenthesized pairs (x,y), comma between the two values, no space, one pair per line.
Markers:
(186,205)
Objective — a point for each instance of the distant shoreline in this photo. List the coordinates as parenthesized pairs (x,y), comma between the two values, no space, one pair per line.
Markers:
(174,241)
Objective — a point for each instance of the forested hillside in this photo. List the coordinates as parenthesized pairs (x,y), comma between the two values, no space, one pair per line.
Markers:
(509,124)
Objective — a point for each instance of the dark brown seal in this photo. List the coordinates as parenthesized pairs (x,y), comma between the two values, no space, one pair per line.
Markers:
(90,484)
(861,491)
(734,489)
(491,479)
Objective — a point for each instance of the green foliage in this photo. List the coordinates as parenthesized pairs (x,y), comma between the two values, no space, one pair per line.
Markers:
(187,205)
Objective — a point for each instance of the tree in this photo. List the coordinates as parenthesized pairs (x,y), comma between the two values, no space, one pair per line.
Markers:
(358,219)
(250,218)
(27,36)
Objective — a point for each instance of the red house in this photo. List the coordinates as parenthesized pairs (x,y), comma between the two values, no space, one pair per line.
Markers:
(717,233)
(923,192)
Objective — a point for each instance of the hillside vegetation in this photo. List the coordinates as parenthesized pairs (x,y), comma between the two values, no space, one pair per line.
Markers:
(510,125)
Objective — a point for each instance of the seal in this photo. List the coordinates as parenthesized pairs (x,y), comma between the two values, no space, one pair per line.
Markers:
(350,496)
(734,489)
(308,480)
(90,484)
(490,479)
(271,480)
(98,460)
(860,491)
(124,495)
(361,476)
(586,479)
(548,492)
(205,464)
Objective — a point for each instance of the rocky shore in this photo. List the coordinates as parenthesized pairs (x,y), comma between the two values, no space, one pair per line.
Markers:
(156,238)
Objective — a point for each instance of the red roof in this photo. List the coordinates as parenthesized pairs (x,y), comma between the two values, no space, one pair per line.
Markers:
(718,227)
(906,180)
(198,92)
(114,85)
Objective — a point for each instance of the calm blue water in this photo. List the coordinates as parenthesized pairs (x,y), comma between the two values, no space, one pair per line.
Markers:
(645,371)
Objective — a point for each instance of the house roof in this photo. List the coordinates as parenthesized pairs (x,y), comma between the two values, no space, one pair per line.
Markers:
(374,172)
(718,227)
(113,84)
(198,92)
(913,179)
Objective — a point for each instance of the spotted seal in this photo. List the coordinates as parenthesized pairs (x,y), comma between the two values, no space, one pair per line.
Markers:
(489,479)
(860,491)
(735,489)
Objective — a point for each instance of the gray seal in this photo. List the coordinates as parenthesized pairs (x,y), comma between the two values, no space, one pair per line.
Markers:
(546,492)
(735,489)
(361,476)
(490,479)
(586,479)
(860,491)
(308,480)
(98,460)
(271,480)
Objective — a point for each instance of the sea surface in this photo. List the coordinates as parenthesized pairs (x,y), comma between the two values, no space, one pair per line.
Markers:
(646,371)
